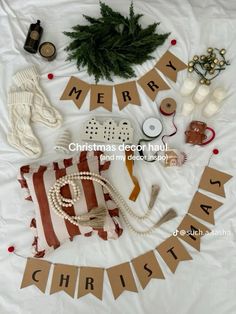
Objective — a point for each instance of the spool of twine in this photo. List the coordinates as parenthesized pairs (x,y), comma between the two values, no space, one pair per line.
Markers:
(168,106)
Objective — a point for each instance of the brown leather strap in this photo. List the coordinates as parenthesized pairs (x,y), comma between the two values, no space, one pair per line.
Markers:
(129,165)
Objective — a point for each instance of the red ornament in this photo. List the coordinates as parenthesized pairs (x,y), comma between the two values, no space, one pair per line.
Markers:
(50,76)
(173,42)
(11,249)
(215,151)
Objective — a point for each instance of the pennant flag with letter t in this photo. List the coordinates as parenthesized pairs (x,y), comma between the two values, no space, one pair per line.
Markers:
(173,252)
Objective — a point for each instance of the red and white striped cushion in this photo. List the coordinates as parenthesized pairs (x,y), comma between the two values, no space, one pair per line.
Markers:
(50,229)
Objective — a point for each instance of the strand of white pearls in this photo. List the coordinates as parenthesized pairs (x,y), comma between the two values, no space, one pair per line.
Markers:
(57,201)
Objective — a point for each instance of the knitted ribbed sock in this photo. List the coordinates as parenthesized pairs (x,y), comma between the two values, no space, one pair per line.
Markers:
(21,135)
(42,110)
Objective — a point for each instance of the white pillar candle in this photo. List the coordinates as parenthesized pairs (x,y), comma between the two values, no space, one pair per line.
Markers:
(219,94)
(201,94)
(211,109)
(188,86)
(187,108)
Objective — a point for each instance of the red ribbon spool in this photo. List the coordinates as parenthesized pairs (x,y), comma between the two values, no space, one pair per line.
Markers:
(168,106)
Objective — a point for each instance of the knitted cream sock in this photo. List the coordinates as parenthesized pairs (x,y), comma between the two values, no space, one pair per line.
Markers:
(21,135)
(42,110)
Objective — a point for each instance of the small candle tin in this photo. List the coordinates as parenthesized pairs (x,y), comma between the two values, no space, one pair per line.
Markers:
(48,51)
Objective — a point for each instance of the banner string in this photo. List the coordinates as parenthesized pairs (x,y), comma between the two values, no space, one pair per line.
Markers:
(51,76)
(11,249)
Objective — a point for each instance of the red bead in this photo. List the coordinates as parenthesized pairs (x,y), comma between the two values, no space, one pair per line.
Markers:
(50,76)
(173,42)
(215,151)
(11,249)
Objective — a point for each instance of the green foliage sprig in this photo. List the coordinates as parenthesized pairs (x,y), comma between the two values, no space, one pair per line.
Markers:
(112,44)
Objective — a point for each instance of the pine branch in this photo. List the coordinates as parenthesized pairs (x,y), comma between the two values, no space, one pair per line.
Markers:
(112,44)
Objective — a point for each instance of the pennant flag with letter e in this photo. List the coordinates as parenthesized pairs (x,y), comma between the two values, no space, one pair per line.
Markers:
(121,279)
(64,279)
(152,83)
(127,93)
(76,90)
(91,281)
(213,181)
(203,207)
(191,231)
(147,267)
(101,96)
(36,273)
(173,252)
(170,65)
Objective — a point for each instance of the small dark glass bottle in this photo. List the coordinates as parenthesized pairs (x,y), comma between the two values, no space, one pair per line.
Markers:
(33,37)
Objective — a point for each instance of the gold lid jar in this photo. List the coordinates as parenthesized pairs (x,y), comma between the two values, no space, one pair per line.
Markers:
(48,51)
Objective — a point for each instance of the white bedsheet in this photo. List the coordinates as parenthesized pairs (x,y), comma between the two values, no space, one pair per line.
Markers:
(205,285)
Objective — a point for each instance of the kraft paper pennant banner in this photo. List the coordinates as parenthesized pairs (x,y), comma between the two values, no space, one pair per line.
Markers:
(101,96)
(91,281)
(152,83)
(121,278)
(76,90)
(203,207)
(191,231)
(213,181)
(127,93)
(147,267)
(170,65)
(36,273)
(173,252)
(64,279)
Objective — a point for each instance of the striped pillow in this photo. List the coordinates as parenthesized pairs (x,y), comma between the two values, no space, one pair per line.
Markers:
(51,230)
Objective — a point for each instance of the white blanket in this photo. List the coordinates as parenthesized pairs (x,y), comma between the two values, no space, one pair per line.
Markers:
(205,285)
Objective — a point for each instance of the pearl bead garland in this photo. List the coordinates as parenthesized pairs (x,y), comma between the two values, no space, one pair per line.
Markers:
(57,201)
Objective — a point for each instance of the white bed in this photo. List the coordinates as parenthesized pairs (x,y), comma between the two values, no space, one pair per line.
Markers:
(204,285)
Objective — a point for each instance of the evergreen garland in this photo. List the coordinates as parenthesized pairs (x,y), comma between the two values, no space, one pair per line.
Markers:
(113,43)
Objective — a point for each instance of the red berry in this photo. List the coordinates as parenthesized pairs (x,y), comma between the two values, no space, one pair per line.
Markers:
(215,151)
(50,76)
(11,249)
(173,42)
